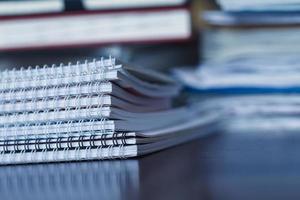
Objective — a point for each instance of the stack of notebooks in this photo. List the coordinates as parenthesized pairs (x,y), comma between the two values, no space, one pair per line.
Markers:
(93,110)
(251,71)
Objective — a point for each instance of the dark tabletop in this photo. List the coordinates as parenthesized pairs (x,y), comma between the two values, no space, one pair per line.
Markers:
(220,166)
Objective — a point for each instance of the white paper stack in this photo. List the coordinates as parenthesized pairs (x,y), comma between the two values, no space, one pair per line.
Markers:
(94,110)
(254,60)
(250,66)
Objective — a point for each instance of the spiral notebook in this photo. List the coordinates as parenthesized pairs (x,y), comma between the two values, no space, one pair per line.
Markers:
(102,109)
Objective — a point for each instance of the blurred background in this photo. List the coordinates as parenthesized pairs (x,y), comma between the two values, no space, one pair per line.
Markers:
(157,34)
(240,57)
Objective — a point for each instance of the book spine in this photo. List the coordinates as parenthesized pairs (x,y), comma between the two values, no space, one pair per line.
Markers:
(57,76)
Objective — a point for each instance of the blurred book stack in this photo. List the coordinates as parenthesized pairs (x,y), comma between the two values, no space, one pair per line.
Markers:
(30,7)
(54,30)
(250,64)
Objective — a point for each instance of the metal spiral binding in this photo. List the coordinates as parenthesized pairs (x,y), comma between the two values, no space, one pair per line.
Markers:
(50,92)
(67,103)
(76,108)
(71,127)
(66,154)
(110,152)
(88,152)
(65,151)
(44,155)
(60,143)
(53,71)
(99,152)
(62,75)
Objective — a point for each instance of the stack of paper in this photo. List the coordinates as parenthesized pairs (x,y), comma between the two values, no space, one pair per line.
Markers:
(258,5)
(94,110)
(270,114)
(247,61)
(257,12)
(252,71)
